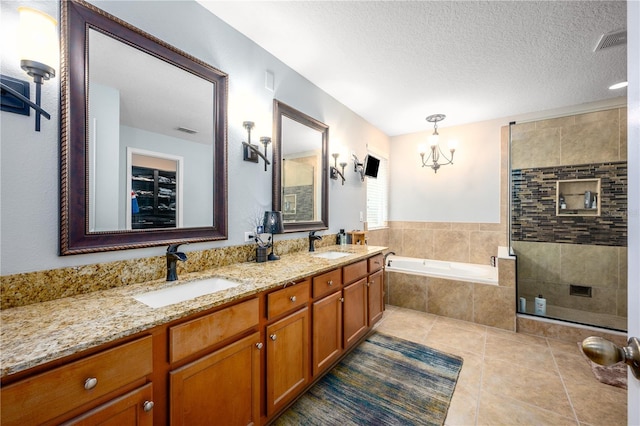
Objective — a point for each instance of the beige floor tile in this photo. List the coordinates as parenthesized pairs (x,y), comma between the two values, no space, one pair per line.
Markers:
(464,406)
(458,338)
(407,324)
(597,403)
(465,325)
(500,410)
(518,337)
(533,356)
(512,378)
(532,386)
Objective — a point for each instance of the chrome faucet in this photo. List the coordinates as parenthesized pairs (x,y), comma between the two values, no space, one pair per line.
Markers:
(312,238)
(173,255)
(387,255)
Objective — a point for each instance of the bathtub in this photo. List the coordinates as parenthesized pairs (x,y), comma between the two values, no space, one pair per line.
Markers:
(469,272)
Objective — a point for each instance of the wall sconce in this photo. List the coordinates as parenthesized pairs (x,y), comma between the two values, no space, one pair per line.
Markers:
(333,171)
(37,46)
(358,167)
(434,147)
(252,152)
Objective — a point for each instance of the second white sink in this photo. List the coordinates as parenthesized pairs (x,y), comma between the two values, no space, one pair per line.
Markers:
(331,254)
(180,293)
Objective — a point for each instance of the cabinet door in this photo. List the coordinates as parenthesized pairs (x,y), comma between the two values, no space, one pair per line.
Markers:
(327,331)
(376,297)
(355,312)
(132,409)
(222,388)
(287,359)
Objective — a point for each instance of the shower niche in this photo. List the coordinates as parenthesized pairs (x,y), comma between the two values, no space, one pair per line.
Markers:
(578,197)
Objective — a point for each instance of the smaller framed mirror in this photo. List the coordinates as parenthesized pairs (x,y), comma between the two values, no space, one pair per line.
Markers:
(300,169)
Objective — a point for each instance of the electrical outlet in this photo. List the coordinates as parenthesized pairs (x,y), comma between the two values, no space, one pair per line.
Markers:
(248,237)
(361,217)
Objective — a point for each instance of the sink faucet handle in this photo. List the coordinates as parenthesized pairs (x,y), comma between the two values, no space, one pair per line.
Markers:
(173,248)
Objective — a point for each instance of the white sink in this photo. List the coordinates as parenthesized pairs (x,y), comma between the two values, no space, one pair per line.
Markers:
(331,254)
(180,293)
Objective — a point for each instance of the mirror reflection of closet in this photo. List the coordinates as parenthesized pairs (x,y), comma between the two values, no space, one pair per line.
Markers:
(155,186)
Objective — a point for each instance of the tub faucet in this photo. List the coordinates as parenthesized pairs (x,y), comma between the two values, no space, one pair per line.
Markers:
(387,255)
(173,255)
(312,238)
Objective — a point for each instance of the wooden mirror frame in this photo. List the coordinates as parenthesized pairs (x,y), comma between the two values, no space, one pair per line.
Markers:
(283,110)
(76,18)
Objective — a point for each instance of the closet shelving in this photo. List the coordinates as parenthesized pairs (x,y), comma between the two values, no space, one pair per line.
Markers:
(155,192)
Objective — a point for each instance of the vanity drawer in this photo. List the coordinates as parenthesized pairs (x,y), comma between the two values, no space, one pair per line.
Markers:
(376,263)
(287,299)
(355,271)
(198,334)
(327,283)
(48,395)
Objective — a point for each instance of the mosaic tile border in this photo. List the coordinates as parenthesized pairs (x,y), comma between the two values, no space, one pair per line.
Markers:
(534,206)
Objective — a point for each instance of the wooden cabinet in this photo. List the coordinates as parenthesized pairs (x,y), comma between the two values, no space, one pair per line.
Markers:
(375,297)
(59,394)
(222,388)
(327,331)
(133,408)
(237,364)
(355,318)
(287,359)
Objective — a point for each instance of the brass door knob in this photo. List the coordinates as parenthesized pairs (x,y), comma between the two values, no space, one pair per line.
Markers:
(603,352)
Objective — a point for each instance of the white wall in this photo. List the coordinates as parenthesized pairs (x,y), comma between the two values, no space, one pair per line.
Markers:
(466,191)
(29,180)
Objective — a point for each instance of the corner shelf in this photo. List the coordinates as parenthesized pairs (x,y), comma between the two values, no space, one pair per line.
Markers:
(573,191)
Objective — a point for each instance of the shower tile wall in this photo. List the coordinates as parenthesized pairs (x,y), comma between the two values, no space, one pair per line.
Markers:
(555,252)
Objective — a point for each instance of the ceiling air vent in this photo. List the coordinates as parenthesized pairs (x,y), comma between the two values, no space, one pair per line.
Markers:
(615,38)
(187,130)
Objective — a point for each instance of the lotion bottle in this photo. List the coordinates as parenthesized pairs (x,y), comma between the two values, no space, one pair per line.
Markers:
(540,305)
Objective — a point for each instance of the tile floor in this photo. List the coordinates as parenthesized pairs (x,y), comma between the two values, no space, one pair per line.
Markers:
(510,378)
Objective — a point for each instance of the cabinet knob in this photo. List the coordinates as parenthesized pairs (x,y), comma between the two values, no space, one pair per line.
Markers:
(90,383)
(342,299)
(147,406)
(259,345)
(273,337)
(330,282)
(292,298)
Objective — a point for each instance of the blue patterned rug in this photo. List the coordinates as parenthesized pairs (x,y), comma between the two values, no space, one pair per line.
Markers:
(384,381)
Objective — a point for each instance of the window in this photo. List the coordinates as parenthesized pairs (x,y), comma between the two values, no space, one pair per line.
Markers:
(378,196)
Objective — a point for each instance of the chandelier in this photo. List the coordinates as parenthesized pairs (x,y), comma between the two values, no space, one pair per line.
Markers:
(435,152)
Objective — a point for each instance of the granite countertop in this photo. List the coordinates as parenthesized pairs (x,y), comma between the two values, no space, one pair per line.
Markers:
(39,333)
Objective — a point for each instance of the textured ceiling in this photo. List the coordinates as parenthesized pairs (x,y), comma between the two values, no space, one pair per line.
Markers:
(396,62)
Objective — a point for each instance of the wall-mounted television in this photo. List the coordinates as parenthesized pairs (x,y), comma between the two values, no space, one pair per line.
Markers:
(371,166)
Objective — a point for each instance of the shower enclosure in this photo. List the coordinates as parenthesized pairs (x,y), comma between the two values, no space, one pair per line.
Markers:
(568,225)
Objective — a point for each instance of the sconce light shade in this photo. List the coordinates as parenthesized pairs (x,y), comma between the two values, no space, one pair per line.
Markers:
(37,43)
(38,50)
(273,222)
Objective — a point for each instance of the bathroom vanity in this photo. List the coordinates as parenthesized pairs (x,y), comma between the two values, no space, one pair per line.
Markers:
(238,356)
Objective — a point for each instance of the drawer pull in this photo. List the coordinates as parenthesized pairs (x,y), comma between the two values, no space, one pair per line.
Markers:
(90,383)
(273,337)
(292,298)
(259,345)
(330,282)
(147,406)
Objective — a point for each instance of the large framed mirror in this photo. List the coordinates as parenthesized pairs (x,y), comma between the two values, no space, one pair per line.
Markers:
(143,138)
(300,169)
